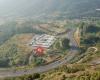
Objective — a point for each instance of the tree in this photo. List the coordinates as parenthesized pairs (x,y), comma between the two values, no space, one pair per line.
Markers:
(65,44)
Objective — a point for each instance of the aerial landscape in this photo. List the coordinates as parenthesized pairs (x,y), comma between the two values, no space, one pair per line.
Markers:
(49,39)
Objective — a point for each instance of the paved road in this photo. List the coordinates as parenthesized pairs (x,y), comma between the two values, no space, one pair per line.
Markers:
(40,69)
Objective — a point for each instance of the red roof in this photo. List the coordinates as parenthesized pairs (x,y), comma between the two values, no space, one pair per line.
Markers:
(39,51)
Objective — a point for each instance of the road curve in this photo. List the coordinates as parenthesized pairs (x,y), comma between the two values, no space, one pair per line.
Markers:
(40,69)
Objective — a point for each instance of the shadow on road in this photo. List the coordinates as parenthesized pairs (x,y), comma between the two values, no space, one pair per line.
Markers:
(74,48)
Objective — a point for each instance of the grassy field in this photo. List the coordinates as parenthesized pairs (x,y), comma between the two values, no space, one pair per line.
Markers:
(15,50)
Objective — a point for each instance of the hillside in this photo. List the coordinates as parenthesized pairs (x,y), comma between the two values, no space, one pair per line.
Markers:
(50,8)
(85,66)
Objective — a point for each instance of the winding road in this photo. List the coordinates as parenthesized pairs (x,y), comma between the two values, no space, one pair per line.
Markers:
(71,54)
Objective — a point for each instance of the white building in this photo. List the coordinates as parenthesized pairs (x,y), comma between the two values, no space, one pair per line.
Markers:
(43,40)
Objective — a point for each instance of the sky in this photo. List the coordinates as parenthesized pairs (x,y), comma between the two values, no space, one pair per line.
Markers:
(13,6)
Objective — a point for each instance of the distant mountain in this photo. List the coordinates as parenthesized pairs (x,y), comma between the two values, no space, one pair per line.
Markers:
(50,8)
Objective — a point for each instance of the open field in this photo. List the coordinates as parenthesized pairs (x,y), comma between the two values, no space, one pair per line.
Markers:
(14,49)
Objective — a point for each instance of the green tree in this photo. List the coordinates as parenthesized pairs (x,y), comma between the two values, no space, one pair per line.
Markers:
(65,44)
